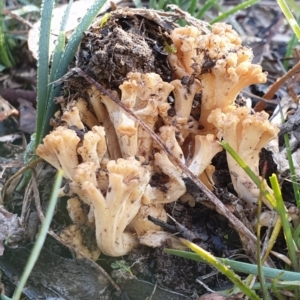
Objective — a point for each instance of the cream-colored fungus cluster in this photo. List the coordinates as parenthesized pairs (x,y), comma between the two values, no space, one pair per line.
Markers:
(119,172)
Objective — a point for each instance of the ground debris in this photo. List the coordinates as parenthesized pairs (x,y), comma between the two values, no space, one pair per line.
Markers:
(10,230)
(127,43)
(54,276)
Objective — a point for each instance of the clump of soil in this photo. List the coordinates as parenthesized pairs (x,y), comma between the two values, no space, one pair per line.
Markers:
(126,43)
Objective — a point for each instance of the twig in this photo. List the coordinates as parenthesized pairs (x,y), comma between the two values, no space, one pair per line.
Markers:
(218,205)
(276,86)
(59,239)
(205,286)
(17,17)
(153,292)
(19,173)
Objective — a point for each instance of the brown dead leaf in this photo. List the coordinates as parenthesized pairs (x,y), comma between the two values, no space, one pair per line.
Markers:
(27,116)
(6,109)
(10,230)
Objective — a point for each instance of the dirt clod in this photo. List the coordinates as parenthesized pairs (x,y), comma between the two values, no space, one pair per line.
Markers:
(124,44)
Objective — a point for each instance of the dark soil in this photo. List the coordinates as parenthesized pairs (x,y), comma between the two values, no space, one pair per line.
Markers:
(124,44)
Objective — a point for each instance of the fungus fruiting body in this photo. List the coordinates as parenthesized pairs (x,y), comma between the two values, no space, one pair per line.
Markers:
(246,134)
(114,166)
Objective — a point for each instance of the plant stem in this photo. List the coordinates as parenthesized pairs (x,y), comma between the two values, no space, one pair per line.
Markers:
(285,222)
(41,237)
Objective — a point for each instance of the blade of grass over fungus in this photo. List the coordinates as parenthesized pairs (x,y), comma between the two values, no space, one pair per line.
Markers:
(67,57)
(213,261)
(41,237)
(289,16)
(242,267)
(249,172)
(285,222)
(235,9)
(43,69)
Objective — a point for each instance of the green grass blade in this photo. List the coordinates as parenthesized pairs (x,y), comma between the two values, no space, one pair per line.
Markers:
(76,37)
(210,259)
(291,164)
(41,237)
(66,59)
(66,17)
(291,45)
(235,9)
(292,169)
(152,4)
(6,58)
(293,5)
(296,235)
(276,291)
(192,7)
(57,54)
(208,4)
(261,276)
(137,3)
(273,238)
(241,266)
(289,16)
(43,68)
(30,8)
(285,222)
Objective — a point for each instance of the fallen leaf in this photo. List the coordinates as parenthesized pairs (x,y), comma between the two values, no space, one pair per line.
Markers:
(6,109)
(10,230)
(27,116)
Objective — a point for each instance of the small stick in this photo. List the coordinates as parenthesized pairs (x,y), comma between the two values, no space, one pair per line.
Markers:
(276,86)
